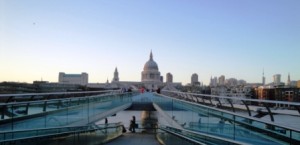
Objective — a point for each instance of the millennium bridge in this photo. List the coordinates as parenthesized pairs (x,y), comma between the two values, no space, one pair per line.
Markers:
(168,118)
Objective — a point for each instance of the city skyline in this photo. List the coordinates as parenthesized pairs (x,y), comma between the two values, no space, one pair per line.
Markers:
(39,39)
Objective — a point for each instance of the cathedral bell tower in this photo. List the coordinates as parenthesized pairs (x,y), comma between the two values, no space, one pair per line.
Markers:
(116,76)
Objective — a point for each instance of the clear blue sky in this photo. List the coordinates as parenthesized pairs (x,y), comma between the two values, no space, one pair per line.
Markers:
(235,38)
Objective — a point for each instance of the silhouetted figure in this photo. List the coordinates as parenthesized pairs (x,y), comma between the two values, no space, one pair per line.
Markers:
(158,90)
(106,123)
(129,90)
(132,124)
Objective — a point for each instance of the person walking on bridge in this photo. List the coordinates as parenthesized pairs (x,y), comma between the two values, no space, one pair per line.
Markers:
(132,124)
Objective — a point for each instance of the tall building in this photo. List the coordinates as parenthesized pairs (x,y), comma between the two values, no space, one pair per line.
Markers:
(288,83)
(194,79)
(116,75)
(78,79)
(231,82)
(169,77)
(213,81)
(263,78)
(161,78)
(151,74)
(276,79)
(222,80)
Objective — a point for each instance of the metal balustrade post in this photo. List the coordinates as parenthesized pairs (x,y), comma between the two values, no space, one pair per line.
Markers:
(3,108)
(219,102)
(298,108)
(269,111)
(211,101)
(45,106)
(12,118)
(88,109)
(234,127)
(247,106)
(9,99)
(58,104)
(230,102)
(202,98)
(197,99)
(78,102)
(27,107)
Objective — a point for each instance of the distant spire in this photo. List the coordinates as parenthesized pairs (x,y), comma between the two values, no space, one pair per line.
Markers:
(151,56)
(116,75)
(263,77)
(289,80)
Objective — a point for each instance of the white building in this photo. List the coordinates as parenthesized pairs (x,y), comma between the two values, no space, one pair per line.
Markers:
(194,79)
(79,79)
(277,79)
(213,82)
(222,80)
(231,82)
(241,82)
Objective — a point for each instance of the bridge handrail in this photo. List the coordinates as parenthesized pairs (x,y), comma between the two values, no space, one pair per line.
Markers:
(235,114)
(184,132)
(56,93)
(50,100)
(60,130)
(237,98)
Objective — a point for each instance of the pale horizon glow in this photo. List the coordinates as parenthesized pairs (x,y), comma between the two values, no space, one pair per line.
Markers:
(238,39)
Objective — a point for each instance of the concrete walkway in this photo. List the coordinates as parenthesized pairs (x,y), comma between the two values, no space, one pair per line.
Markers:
(135,139)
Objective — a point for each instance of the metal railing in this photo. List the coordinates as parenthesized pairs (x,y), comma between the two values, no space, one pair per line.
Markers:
(193,137)
(235,125)
(235,103)
(6,98)
(60,112)
(103,132)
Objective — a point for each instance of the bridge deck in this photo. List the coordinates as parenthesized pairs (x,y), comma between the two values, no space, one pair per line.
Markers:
(135,139)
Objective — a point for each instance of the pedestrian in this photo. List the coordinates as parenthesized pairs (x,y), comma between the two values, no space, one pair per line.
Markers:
(132,124)
(158,91)
(106,121)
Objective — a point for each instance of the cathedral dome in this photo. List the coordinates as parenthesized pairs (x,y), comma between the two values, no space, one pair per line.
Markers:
(150,64)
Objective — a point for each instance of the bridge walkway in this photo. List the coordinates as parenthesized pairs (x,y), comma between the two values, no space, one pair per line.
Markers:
(135,139)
